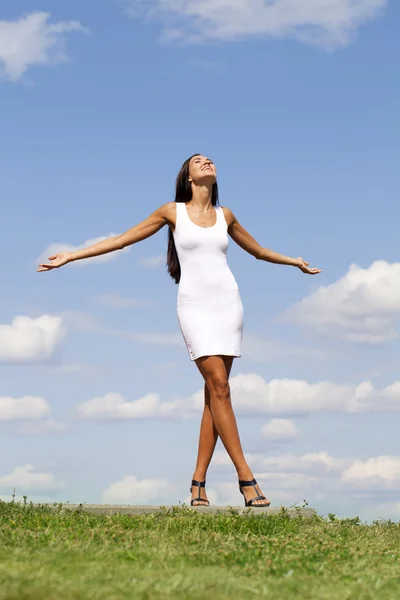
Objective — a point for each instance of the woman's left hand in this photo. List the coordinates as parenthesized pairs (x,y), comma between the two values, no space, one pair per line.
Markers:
(305,267)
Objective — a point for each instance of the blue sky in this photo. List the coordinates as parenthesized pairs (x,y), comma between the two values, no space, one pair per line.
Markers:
(299,110)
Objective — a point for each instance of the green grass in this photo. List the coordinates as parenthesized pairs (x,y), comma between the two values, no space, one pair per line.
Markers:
(49,553)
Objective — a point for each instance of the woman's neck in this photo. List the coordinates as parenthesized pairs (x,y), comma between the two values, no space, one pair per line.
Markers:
(202,197)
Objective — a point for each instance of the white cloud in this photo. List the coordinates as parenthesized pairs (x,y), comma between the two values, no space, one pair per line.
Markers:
(152,261)
(363,306)
(66,247)
(314,463)
(380,472)
(321,476)
(29,339)
(131,490)
(23,409)
(31,40)
(117,301)
(280,430)
(29,415)
(29,478)
(252,395)
(114,406)
(328,23)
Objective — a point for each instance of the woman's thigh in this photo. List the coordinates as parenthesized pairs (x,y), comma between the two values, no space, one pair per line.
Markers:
(215,369)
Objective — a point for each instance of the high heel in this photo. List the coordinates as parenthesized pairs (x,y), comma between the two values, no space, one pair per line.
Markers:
(253,484)
(199,484)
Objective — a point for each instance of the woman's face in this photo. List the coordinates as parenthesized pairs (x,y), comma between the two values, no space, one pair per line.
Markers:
(202,170)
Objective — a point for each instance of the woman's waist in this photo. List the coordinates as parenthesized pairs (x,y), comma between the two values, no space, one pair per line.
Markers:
(206,271)
(205,292)
(201,281)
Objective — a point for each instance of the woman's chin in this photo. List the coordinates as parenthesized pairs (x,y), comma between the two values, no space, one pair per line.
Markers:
(207,179)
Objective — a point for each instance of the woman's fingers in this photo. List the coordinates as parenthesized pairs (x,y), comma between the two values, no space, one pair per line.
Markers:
(313,271)
(56,261)
(45,267)
(306,269)
(304,266)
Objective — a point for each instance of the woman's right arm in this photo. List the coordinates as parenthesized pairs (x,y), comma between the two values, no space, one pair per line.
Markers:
(165,215)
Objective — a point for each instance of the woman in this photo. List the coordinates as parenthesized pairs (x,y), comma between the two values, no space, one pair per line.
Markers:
(210,311)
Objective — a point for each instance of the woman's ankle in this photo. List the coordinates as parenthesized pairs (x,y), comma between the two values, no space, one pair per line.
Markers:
(199,476)
(245,475)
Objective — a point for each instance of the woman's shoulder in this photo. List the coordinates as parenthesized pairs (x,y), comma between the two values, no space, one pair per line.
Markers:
(165,214)
(168,211)
(228,214)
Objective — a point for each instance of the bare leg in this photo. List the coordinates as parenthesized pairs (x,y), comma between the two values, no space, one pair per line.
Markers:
(207,440)
(213,370)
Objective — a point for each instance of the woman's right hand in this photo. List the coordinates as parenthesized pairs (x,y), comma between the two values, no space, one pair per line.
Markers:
(56,261)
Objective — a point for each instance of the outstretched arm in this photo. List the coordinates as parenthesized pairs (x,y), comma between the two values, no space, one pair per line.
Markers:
(162,216)
(248,243)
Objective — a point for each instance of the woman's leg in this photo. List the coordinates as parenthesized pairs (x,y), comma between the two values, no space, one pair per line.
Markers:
(213,370)
(208,439)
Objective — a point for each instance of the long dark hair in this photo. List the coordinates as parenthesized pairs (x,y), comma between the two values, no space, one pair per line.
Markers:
(183,194)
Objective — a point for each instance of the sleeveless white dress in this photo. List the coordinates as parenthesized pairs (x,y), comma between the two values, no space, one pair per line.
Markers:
(210,311)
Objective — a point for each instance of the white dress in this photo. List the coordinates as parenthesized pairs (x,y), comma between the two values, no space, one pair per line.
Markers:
(210,310)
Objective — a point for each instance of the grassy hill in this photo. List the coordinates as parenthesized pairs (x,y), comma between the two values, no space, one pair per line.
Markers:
(50,553)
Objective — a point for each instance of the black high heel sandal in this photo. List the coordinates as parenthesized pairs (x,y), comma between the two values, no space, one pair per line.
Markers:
(253,484)
(199,484)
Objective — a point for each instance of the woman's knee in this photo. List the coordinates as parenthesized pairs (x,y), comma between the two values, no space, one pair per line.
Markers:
(219,386)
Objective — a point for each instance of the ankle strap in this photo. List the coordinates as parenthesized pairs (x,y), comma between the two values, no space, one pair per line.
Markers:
(199,484)
(247,483)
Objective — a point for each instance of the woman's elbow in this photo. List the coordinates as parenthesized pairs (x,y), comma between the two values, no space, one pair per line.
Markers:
(119,242)
(259,253)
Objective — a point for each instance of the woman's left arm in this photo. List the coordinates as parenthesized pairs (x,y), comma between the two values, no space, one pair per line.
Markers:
(248,243)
